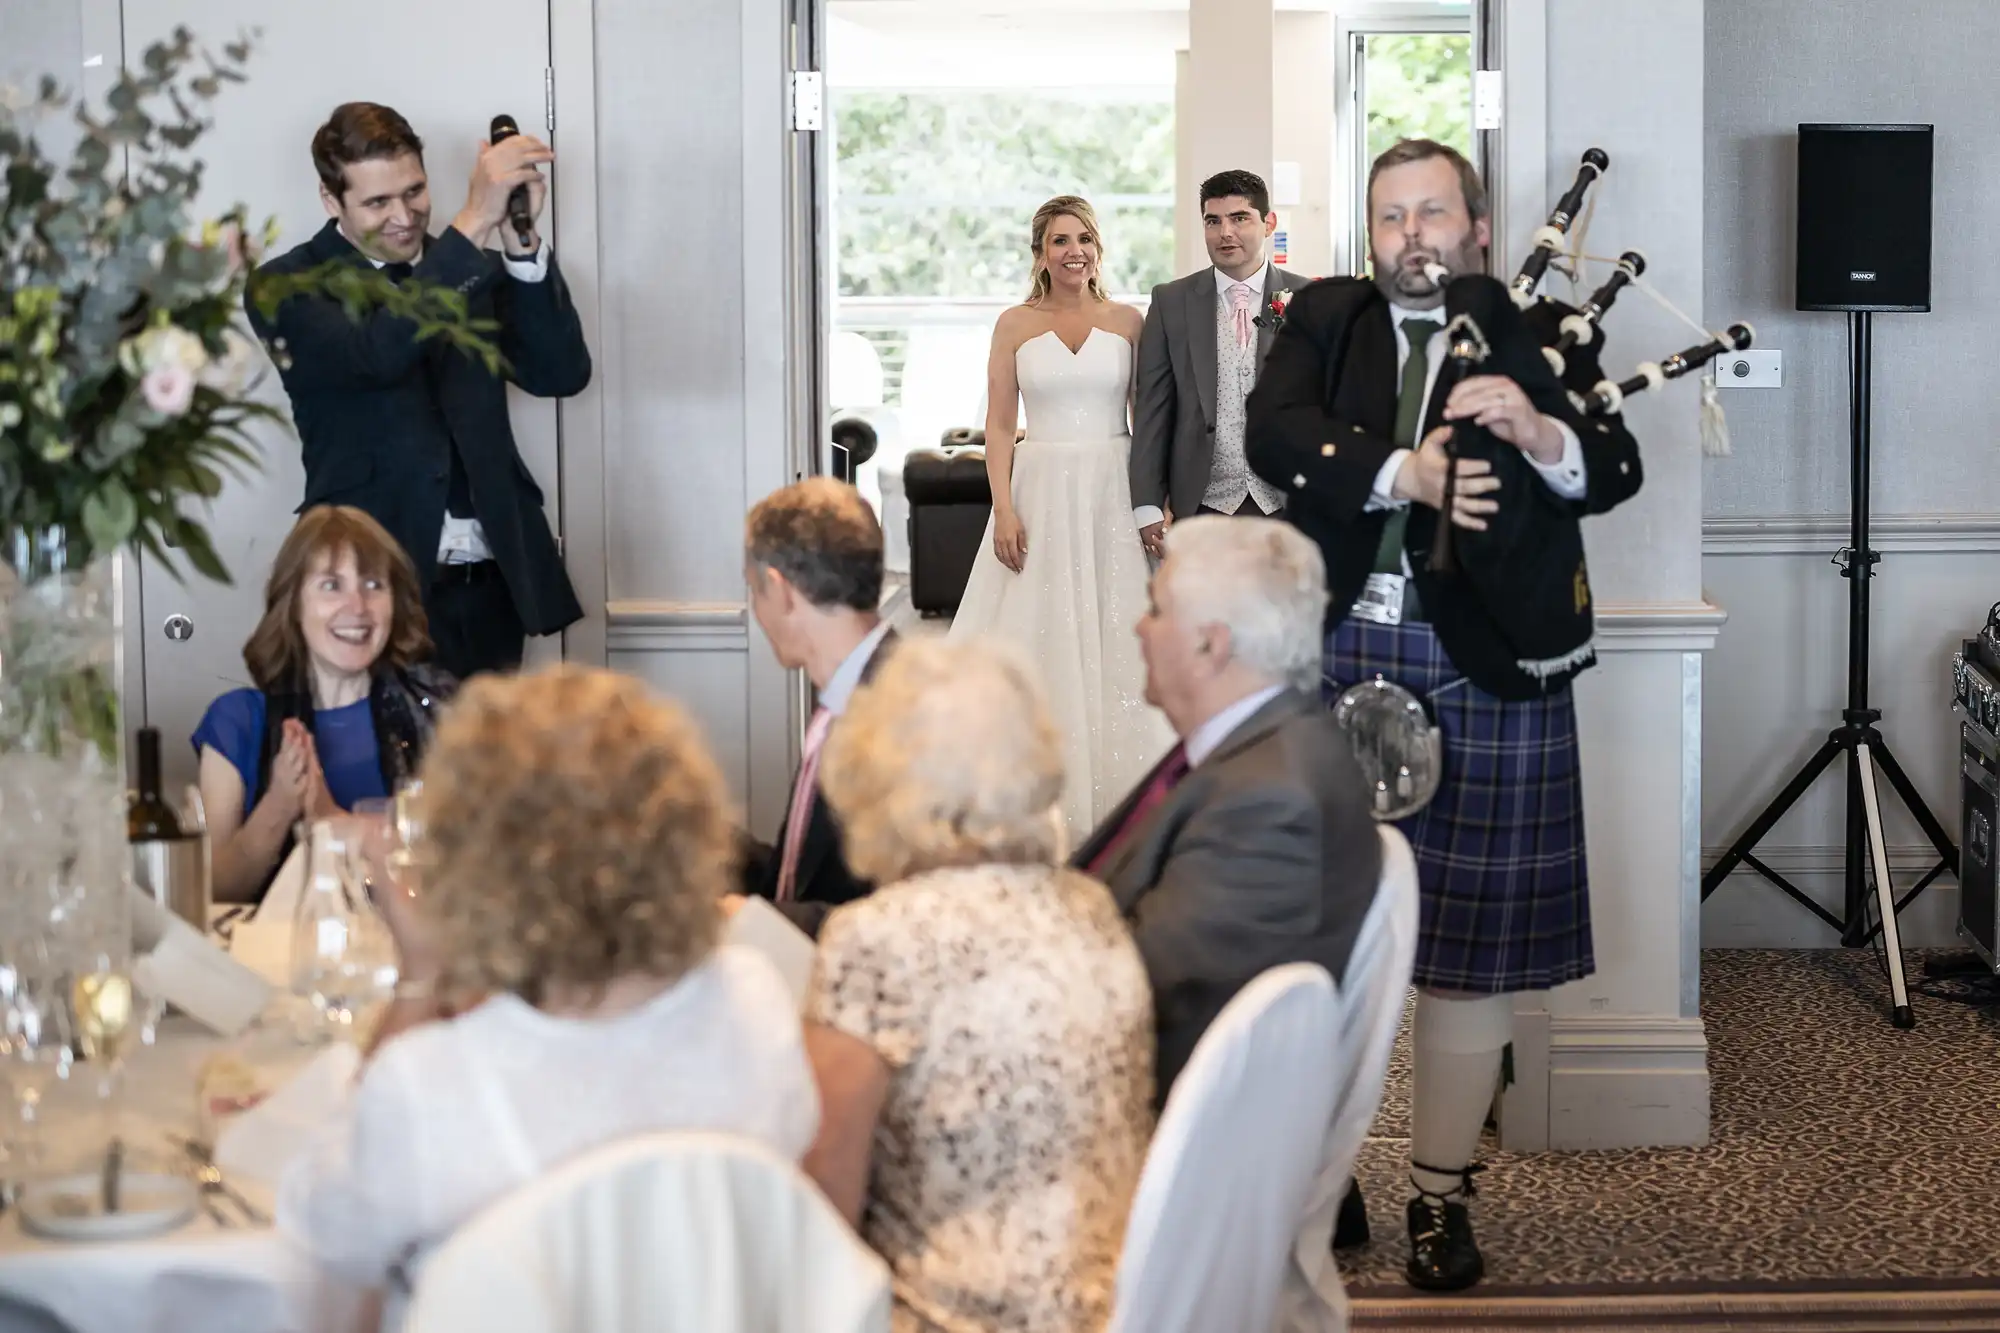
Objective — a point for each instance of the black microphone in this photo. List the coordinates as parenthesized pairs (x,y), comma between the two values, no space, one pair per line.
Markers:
(517,202)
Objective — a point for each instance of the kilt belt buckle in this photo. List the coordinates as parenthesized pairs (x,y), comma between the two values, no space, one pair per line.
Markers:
(1381,599)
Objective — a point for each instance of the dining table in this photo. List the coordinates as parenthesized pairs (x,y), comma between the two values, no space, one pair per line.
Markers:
(227,1268)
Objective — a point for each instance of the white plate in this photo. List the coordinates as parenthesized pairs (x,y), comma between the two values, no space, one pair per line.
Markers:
(72,1207)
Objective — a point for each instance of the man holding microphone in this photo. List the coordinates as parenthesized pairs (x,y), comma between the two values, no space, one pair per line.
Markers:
(416,433)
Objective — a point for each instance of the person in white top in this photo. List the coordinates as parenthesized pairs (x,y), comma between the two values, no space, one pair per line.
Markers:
(562,986)
(1205,338)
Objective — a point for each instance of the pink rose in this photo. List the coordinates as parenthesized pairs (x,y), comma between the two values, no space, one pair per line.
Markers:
(168,388)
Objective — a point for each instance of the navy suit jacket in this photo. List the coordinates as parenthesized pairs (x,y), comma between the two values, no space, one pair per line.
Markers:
(378,411)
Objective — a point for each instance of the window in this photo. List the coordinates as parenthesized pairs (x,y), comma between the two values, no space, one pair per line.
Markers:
(933,194)
(1409,78)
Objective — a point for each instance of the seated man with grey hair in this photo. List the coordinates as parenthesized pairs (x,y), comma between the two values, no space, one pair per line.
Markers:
(1251,845)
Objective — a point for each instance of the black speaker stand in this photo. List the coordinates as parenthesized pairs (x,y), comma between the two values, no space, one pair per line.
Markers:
(1857,737)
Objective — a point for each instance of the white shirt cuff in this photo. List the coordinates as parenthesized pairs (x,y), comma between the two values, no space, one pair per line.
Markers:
(1384,496)
(534,268)
(1147,515)
(1565,476)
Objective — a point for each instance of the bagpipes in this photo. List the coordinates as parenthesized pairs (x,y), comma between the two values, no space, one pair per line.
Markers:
(1572,335)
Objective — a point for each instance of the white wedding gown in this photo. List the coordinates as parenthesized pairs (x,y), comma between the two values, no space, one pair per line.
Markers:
(1080,594)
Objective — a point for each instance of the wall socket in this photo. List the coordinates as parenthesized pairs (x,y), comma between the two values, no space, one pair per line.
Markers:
(1755,368)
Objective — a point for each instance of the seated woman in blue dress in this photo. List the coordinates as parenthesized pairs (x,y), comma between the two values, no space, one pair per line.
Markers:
(341,709)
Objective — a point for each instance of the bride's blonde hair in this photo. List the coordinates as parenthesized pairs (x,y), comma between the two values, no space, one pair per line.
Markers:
(1080,209)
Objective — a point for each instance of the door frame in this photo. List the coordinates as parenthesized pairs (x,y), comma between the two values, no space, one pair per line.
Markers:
(580,452)
(1350,126)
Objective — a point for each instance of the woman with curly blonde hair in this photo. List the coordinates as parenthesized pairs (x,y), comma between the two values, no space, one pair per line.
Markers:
(561,985)
(980,1027)
(1062,571)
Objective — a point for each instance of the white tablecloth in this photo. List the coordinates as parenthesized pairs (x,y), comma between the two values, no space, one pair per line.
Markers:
(203,1277)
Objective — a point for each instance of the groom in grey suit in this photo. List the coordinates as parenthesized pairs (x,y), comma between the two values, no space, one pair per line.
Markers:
(1205,336)
(1251,844)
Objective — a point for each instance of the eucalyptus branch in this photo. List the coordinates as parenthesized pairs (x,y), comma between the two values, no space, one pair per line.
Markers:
(438,312)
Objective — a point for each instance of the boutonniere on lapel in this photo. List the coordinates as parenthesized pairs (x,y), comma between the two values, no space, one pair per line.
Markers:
(1273,317)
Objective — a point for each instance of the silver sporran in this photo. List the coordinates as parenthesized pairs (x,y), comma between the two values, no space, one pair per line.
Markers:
(1400,749)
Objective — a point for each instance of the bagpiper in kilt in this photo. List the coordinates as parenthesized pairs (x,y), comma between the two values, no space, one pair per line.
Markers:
(1349,417)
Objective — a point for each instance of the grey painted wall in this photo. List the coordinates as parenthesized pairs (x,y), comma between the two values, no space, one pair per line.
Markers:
(1773,64)
(1640,101)
(1778,508)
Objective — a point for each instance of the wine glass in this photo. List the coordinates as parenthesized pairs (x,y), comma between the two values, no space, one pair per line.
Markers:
(36,1035)
(343,959)
(409,831)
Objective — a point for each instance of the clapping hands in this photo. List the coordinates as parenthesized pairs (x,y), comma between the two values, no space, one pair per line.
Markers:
(296,776)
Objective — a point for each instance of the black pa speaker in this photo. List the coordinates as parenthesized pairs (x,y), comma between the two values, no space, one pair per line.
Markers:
(1864,217)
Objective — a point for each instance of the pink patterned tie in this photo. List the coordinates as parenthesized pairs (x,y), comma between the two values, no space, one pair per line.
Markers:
(803,792)
(1240,297)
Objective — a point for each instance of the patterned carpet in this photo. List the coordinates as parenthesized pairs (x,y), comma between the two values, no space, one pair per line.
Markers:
(1846,1157)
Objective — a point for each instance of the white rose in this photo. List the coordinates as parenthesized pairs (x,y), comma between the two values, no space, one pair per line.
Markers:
(231,371)
(170,346)
(180,348)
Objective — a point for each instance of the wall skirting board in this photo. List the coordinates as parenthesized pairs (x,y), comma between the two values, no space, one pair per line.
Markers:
(1821,534)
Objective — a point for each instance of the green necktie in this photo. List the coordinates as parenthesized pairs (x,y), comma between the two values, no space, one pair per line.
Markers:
(1409,414)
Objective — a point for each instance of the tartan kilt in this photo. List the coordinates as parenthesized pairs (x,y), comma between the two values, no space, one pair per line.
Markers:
(1505,897)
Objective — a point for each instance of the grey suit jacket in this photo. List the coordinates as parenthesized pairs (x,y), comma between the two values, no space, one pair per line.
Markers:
(1173,416)
(1264,854)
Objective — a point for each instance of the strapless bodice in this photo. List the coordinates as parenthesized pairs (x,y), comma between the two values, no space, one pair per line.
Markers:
(1078,396)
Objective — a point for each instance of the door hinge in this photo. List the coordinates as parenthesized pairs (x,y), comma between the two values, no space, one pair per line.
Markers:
(1487,99)
(808,99)
(549,98)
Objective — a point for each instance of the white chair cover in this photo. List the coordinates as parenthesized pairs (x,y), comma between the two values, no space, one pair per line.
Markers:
(1378,980)
(1225,1181)
(670,1233)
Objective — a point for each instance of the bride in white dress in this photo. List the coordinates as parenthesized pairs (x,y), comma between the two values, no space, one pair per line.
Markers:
(1062,572)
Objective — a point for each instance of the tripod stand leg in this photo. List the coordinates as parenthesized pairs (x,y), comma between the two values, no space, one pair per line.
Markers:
(1940,840)
(1885,892)
(1771,814)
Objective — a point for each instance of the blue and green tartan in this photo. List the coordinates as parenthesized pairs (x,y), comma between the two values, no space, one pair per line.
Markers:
(1500,849)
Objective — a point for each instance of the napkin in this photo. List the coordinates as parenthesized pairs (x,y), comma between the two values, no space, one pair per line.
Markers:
(763,929)
(283,1127)
(263,944)
(281,900)
(183,967)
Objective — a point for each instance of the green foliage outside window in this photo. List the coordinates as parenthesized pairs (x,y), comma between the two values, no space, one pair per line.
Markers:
(1419,86)
(934,191)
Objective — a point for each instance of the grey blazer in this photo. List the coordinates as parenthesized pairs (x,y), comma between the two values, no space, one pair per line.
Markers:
(1264,854)
(1173,415)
